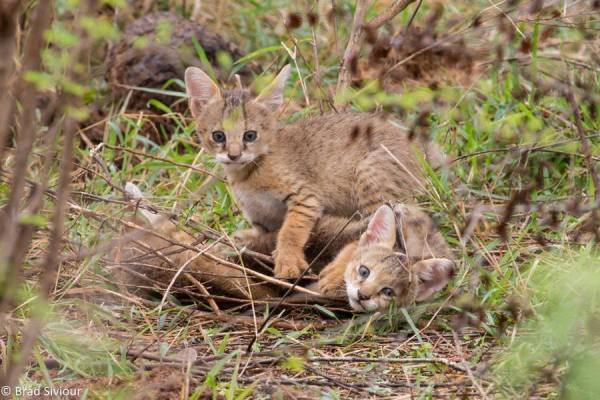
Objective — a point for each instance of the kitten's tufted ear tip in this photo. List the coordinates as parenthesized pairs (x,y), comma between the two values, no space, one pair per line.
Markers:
(194,77)
(381,229)
(272,95)
(191,71)
(200,88)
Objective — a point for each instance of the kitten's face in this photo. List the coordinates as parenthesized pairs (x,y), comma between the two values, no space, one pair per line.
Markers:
(379,274)
(233,127)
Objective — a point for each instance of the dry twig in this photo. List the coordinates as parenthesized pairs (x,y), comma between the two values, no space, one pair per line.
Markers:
(357,33)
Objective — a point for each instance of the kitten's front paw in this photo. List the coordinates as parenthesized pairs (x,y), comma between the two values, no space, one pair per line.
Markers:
(331,283)
(289,266)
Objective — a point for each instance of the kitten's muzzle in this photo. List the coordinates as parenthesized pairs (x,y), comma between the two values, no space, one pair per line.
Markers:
(234,151)
(242,159)
(361,296)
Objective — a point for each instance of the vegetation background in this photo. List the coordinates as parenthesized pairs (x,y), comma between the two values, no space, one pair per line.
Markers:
(91,97)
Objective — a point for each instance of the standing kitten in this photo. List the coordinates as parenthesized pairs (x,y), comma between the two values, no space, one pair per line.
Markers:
(286,177)
(401,257)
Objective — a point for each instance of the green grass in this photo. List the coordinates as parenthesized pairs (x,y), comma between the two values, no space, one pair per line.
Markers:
(506,302)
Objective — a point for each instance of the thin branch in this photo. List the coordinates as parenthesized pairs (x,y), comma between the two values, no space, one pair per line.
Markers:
(26,137)
(466,366)
(357,33)
(397,7)
(211,301)
(9,10)
(353,47)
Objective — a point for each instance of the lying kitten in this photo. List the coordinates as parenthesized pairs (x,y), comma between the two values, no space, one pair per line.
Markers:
(159,251)
(371,269)
(401,257)
(286,178)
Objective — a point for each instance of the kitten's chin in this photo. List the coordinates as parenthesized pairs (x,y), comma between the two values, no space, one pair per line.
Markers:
(355,305)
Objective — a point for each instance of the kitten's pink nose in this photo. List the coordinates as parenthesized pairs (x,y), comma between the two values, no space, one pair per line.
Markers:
(362,297)
(234,151)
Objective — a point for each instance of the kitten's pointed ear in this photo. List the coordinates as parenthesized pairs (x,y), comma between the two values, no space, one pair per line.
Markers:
(433,275)
(200,89)
(272,95)
(381,230)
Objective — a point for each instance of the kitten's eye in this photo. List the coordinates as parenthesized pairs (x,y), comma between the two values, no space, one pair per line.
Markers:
(250,136)
(218,136)
(363,272)
(386,291)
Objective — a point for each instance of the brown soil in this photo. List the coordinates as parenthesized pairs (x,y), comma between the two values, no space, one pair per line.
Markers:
(157,48)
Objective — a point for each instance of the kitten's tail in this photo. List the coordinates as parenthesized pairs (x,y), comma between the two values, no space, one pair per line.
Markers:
(143,208)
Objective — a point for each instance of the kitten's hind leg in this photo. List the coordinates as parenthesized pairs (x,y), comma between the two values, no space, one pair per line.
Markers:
(163,251)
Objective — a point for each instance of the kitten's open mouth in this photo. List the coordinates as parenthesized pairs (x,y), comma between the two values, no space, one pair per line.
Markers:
(355,304)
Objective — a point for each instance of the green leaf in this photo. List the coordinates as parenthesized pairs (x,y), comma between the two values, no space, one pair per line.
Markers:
(157,104)
(326,311)
(73,87)
(294,363)
(224,60)
(61,36)
(412,325)
(42,80)
(164,29)
(223,344)
(114,3)
(161,321)
(211,376)
(163,348)
(78,113)
(206,65)
(239,64)
(158,91)
(99,28)
(33,219)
